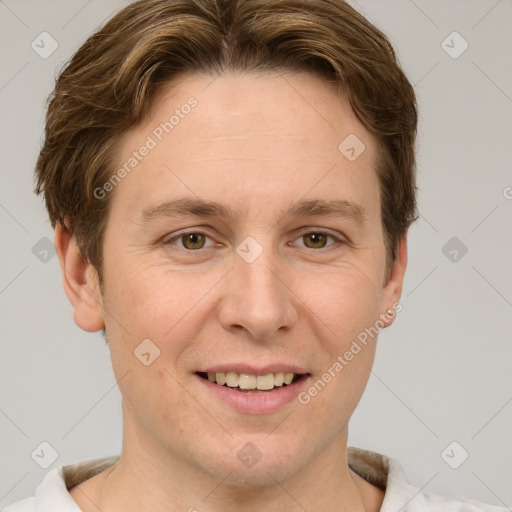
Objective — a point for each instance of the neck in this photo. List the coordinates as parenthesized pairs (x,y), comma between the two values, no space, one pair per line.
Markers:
(148,477)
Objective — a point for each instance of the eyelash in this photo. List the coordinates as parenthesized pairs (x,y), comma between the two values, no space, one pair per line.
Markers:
(337,240)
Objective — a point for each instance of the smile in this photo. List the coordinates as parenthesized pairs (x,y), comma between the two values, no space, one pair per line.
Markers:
(247,383)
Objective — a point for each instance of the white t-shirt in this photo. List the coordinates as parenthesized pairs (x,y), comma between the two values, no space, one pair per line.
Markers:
(52,494)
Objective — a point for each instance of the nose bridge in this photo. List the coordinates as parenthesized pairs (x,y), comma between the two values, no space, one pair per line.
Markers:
(259,301)
(261,281)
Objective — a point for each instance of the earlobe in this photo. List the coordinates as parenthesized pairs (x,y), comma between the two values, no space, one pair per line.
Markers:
(393,287)
(80,282)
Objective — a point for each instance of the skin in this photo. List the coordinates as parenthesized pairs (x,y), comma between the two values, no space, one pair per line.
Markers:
(257,143)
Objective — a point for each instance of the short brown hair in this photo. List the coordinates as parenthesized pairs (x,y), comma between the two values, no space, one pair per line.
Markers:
(108,85)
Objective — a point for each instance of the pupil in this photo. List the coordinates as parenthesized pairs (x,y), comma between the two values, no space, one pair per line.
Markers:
(317,238)
(194,239)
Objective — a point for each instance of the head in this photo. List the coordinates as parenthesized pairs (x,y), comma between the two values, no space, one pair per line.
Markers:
(258,117)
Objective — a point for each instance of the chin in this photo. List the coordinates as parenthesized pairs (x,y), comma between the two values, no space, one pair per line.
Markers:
(259,476)
(258,462)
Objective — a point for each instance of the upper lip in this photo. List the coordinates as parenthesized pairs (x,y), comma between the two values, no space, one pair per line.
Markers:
(255,370)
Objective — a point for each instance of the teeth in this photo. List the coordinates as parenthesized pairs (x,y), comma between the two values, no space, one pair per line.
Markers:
(247,382)
(279,379)
(265,382)
(232,379)
(288,377)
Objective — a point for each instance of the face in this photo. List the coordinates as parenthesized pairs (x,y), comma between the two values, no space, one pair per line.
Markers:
(243,240)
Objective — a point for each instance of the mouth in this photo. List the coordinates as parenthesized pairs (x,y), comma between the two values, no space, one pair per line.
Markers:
(250,384)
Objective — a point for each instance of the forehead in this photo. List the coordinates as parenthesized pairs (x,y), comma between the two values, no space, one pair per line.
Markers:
(247,138)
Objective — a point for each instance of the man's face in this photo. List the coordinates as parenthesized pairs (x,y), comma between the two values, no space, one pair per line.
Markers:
(262,291)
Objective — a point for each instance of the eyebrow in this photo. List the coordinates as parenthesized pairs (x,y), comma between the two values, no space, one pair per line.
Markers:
(194,206)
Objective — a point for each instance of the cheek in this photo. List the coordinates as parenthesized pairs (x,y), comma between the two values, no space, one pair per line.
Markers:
(347,307)
(154,299)
(163,306)
(346,302)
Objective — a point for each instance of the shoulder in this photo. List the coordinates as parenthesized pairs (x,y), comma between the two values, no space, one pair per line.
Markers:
(26,505)
(53,492)
(433,502)
(413,499)
(400,495)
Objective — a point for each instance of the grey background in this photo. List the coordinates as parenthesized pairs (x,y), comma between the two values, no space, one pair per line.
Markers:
(442,372)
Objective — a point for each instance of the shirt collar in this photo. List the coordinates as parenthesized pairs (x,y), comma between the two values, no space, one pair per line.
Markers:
(53,492)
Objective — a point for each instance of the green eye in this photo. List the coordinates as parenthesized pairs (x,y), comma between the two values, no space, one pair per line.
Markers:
(193,240)
(196,240)
(318,240)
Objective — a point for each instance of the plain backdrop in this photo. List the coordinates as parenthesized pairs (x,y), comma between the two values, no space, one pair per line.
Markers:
(441,387)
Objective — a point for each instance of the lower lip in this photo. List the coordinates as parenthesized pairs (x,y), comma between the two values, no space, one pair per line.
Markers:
(256,403)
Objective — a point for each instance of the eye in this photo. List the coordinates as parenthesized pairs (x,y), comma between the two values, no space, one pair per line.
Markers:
(318,239)
(191,240)
(196,240)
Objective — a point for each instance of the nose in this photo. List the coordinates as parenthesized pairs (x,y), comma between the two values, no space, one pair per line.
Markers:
(257,299)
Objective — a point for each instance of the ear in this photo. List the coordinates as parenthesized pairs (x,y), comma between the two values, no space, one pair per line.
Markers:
(80,281)
(393,288)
